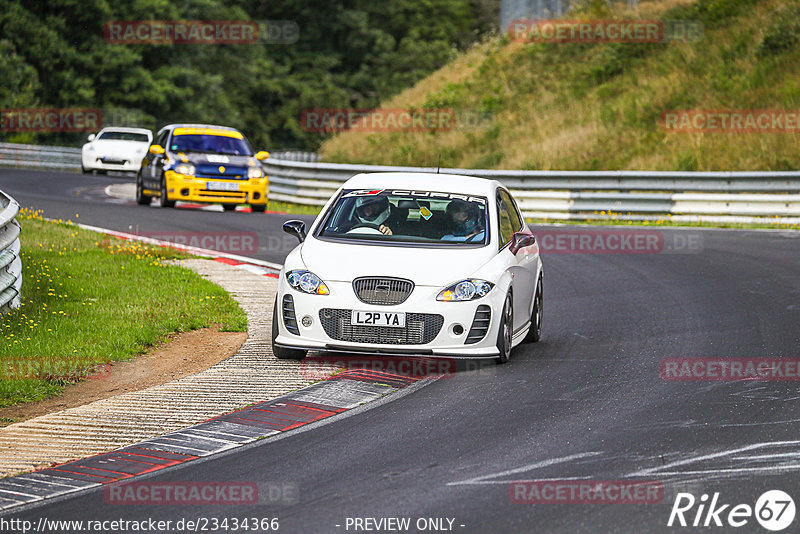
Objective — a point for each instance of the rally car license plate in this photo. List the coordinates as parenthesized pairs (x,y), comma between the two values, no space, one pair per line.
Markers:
(222,186)
(368,318)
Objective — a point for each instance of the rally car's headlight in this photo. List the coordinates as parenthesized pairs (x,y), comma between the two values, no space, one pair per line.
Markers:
(466,290)
(254,173)
(307,282)
(185,168)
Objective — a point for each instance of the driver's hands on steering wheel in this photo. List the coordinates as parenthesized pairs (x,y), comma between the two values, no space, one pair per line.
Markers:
(385,230)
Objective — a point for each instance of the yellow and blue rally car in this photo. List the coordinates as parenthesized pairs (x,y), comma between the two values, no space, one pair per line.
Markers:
(202,163)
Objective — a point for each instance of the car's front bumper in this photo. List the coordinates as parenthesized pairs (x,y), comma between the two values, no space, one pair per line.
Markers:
(122,164)
(422,301)
(195,189)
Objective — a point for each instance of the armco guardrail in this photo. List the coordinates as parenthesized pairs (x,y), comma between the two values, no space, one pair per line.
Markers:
(68,158)
(296,176)
(10,262)
(583,194)
(51,157)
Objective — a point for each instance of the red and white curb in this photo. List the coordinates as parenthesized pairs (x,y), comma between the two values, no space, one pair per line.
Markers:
(319,401)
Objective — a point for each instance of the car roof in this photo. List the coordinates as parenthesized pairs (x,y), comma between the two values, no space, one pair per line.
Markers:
(192,125)
(424,181)
(125,129)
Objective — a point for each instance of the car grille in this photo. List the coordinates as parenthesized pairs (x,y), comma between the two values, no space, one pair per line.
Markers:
(206,170)
(480,324)
(421,328)
(382,290)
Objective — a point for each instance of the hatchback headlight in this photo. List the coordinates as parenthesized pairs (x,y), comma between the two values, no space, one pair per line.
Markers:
(254,173)
(185,168)
(307,282)
(465,290)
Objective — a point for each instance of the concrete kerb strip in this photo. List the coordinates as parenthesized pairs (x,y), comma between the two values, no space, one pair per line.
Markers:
(340,393)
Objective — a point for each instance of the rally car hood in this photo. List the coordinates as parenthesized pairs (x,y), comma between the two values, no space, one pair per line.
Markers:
(196,159)
(432,266)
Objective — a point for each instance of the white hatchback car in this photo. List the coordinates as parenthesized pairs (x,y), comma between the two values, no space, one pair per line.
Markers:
(116,149)
(411,264)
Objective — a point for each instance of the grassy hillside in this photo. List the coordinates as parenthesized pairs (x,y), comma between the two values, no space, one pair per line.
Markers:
(597,106)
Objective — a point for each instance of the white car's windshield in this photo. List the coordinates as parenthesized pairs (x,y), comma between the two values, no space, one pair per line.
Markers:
(407,216)
(124,136)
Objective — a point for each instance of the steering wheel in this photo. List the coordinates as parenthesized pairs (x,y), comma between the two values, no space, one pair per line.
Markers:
(375,229)
(471,238)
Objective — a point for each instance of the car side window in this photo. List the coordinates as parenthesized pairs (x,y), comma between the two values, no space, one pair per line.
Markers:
(506,224)
(513,211)
(162,139)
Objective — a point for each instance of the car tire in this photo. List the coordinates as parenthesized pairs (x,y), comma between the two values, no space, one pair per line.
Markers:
(259,208)
(141,198)
(165,202)
(84,170)
(505,331)
(229,207)
(535,332)
(280,352)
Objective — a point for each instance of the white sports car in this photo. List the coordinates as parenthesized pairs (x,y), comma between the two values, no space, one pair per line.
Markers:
(116,149)
(411,264)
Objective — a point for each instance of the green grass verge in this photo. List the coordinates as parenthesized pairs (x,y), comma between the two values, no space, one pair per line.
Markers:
(88,300)
(290,208)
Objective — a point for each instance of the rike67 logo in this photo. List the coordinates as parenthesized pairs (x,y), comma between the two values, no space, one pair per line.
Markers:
(774,510)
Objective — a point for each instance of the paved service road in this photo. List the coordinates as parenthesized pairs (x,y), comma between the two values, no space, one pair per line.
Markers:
(586,403)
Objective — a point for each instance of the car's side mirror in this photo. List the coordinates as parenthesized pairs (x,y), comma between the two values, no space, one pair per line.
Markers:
(156,150)
(91,137)
(521,240)
(296,228)
(261,155)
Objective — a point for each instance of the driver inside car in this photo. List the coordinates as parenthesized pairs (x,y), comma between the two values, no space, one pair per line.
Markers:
(375,211)
(463,219)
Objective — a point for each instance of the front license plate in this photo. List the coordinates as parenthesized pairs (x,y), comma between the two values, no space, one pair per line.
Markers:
(222,186)
(368,318)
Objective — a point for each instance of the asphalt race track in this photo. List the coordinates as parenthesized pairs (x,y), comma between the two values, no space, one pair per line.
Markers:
(587,402)
(63,194)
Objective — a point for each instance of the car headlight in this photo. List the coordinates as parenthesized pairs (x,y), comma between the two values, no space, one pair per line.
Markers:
(90,148)
(307,282)
(465,290)
(185,168)
(254,173)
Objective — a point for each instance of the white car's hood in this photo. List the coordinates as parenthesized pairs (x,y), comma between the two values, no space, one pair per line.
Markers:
(120,148)
(342,262)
